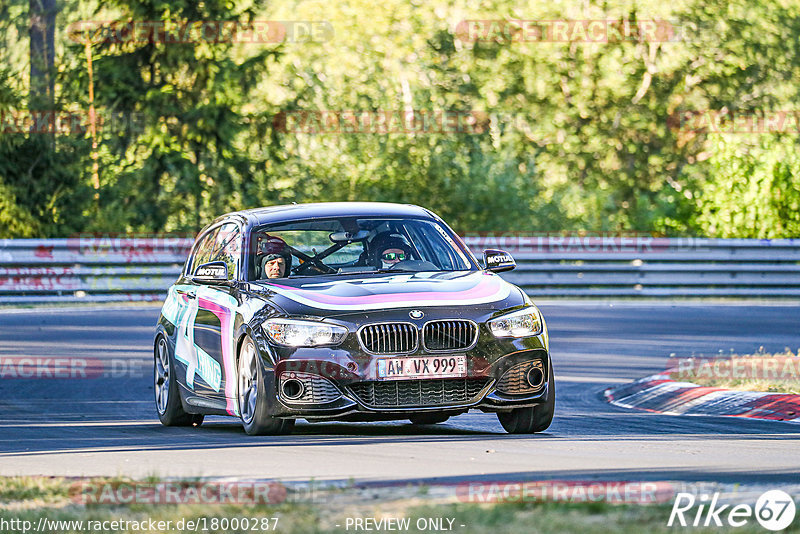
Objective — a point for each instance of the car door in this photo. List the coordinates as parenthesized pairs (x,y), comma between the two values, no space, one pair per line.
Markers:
(214,324)
(184,300)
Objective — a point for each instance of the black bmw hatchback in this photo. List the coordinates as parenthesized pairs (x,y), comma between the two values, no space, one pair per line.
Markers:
(347,311)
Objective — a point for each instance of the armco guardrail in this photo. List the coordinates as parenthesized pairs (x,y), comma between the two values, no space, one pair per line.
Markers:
(89,268)
(648,266)
(120,269)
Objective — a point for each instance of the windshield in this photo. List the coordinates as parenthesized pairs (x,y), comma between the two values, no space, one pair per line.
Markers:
(354,245)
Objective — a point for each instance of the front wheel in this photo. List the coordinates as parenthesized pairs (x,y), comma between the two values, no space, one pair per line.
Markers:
(168,402)
(252,396)
(534,419)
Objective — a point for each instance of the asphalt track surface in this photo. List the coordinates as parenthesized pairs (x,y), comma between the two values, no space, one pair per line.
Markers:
(107,426)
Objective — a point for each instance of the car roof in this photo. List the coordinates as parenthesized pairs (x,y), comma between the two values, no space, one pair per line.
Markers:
(290,212)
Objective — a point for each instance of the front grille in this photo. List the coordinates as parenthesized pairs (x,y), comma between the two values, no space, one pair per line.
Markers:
(449,335)
(316,390)
(389,338)
(434,392)
(515,380)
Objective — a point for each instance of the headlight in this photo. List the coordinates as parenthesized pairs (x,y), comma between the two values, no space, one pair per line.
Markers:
(298,333)
(522,323)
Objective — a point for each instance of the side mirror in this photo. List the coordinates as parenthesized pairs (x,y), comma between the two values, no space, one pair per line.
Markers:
(498,261)
(215,272)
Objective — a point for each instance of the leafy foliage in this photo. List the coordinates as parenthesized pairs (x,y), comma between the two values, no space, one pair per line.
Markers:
(577,135)
(755,192)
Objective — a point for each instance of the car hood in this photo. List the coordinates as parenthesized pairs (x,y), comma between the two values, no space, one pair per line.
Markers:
(336,295)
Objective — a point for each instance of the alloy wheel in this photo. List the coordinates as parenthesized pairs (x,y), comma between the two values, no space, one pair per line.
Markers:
(162,376)
(248,382)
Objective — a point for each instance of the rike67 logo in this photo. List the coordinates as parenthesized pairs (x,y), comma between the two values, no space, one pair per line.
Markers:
(774,510)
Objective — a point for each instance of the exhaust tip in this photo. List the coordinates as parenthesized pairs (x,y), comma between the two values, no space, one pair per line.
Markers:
(292,389)
(535,377)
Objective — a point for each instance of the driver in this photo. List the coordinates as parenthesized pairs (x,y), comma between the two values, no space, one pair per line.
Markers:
(275,266)
(389,249)
(275,259)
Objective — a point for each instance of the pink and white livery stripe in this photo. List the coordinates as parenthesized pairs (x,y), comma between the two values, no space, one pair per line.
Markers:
(475,288)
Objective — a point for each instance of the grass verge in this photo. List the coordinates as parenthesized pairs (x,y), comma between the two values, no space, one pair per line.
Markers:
(31,502)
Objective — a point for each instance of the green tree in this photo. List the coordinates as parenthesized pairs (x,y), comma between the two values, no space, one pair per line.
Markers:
(753,189)
(579,136)
(173,159)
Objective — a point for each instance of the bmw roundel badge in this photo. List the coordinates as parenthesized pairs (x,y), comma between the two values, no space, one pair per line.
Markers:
(416,314)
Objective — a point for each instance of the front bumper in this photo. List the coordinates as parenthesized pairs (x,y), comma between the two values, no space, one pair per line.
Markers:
(351,372)
(397,399)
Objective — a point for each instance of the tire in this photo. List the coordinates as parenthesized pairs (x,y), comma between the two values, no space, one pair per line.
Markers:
(252,395)
(534,419)
(168,400)
(429,418)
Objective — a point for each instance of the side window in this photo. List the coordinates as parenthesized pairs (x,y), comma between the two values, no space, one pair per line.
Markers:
(228,247)
(203,250)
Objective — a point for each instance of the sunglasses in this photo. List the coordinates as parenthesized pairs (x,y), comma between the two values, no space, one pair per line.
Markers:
(391,256)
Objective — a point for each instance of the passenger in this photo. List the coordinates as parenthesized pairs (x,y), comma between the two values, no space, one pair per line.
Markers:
(389,249)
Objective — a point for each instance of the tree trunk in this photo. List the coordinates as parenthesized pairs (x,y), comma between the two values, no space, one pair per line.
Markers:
(42,54)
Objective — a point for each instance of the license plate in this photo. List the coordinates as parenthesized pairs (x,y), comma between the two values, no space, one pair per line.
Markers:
(445,366)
